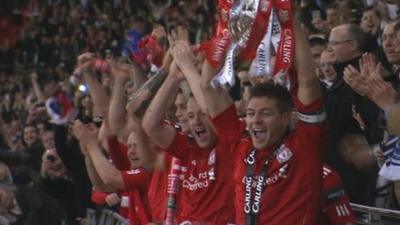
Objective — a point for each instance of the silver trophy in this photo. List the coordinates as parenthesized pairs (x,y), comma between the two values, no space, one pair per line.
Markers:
(240,24)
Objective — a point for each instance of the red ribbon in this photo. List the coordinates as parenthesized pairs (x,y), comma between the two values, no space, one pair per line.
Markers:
(286,49)
(153,50)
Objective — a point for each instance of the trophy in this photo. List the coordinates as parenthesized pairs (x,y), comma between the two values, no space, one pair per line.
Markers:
(240,24)
(260,27)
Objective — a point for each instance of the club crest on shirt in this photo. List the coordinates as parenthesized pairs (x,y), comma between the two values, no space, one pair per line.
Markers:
(284,154)
(211,157)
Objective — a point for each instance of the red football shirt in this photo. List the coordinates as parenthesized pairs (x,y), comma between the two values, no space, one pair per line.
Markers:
(336,209)
(136,184)
(118,153)
(293,196)
(157,191)
(202,199)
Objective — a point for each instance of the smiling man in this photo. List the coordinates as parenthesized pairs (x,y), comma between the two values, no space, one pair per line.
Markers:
(105,176)
(277,173)
(206,192)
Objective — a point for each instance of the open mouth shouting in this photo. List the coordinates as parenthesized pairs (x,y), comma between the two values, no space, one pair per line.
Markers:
(259,134)
(200,132)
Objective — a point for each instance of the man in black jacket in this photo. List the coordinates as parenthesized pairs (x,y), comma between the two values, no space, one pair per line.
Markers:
(351,136)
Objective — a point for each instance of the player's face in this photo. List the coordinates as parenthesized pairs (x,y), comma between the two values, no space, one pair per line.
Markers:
(199,125)
(180,104)
(265,122)
(133,152)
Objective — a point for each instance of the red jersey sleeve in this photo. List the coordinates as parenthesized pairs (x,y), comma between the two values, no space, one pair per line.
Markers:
(311,113)
(228,124)
(179,147)
(136,179)
(335,202)
(99,197)
(312,123)
(118,153)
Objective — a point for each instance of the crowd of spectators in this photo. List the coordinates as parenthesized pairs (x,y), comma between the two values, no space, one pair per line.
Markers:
(50,169)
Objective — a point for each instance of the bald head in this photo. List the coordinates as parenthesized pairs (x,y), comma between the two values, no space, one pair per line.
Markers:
(347,42)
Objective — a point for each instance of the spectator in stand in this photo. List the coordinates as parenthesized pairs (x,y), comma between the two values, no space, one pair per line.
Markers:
(10,212)
(326,66)
(350,153)
(33,147)
(371,84)
(317,46)
(371,21)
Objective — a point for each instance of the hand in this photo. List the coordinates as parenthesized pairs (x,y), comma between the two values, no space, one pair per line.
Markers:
(381,92)
(178,34)
(355,80)
(121,70)
(34,76)
(85,133)
(183,55)
(85,62)
(368,65)
(113,199)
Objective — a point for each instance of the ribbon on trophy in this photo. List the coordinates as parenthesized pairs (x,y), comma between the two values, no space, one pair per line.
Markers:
(286,49)
(261,65)
(240,25)
(280,34)
(215,49)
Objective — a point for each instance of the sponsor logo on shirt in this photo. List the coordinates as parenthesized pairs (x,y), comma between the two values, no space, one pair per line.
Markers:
(193,183)
(269,181)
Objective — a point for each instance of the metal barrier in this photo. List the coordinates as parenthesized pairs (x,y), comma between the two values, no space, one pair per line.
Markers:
(366,216)
(105,217)
(376,216)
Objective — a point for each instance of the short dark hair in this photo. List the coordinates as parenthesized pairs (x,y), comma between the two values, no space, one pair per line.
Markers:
(274,91)
(371,8)
(316,41)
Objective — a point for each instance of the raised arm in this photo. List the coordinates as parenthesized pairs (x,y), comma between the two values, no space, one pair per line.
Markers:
(99,96)
(151,157)
(94,177)
(36,88)
(309,87)
(162,134)
(117,118)
(212,101)
(108,173)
